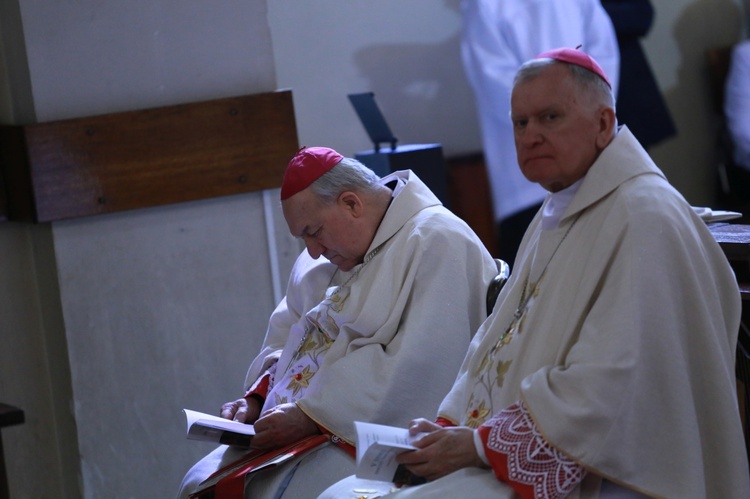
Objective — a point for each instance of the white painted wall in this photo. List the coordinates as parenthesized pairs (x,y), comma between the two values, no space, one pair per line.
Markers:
(115,323)
(163,309)
(676,46)
(406,51)
(98,56)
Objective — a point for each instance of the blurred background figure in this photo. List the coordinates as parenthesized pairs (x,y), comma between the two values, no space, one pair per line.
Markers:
(737,103)
(498,36)
(737,116)
(640,104)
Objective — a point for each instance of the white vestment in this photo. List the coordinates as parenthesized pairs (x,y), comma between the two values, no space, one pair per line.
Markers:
(384,345)
(624,356)
(499,36)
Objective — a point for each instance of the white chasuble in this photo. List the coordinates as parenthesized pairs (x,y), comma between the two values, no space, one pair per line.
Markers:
(624,355)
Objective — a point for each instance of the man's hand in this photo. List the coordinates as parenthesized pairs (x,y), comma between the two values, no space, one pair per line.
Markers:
(242,410)
(441,451)
(282,425)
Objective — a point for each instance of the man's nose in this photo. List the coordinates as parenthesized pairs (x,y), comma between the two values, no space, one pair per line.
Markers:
(314,248)
(531,135)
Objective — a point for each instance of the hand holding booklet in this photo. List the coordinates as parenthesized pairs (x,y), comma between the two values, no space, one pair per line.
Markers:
(202,426)
(229,480)
(377,448)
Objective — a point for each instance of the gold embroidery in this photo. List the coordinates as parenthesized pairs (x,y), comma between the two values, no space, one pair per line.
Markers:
(484,380)
(336,302)
(309,344)
(484,362)
(300,380)
(320,331)
(519,316)
(281,400)
(502,370)
(476,417)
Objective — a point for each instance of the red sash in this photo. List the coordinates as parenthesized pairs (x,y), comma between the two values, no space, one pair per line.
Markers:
(229,481)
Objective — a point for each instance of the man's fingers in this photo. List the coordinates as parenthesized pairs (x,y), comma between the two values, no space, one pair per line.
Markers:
(228,410)
(236,410)
(241,415)
(422,425)
(409,458)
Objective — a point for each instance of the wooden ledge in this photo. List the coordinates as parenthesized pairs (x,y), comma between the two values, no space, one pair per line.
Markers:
(734,239)
(137,159)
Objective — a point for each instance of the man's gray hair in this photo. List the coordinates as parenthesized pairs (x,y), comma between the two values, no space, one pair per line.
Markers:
(586,80)
(348,175)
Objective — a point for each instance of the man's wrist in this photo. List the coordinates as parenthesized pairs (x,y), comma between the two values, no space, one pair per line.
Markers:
(258,398)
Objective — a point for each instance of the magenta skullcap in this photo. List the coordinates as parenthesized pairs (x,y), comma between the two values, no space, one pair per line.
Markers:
(577,57)
(306,167)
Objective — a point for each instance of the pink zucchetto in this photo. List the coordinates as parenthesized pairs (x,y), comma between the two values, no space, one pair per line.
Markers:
(306,167)
(577,57)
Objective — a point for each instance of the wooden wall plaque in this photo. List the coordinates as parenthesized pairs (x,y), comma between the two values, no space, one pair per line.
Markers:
(137,159)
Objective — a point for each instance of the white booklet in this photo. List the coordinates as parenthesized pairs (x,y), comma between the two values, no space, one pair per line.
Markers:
(202,426)
(377,448)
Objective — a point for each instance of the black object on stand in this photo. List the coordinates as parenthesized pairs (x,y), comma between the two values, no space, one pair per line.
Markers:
(426,160)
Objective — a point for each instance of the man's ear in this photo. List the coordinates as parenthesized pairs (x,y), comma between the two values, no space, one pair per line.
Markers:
(351,202)
(607,124)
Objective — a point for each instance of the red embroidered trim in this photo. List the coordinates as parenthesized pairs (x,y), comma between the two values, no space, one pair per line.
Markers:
(261,386)
(531,460)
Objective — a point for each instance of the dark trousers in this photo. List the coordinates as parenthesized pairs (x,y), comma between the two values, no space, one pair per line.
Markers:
(510,232)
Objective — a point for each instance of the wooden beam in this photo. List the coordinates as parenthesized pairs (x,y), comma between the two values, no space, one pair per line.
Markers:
(138,159)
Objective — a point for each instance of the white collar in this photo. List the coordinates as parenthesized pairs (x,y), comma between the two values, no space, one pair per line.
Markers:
(556,205)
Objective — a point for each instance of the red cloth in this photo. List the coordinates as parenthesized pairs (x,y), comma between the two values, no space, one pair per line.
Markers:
(229,481)
(443,422)
(260,387)
(522,458)
(335,439)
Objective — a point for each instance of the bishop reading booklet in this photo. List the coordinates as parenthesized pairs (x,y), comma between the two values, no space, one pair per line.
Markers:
(202,426)
(377,448)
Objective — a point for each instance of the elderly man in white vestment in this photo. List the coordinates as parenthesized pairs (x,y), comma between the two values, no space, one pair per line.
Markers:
(373,331)
(497,37)
(607,366)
